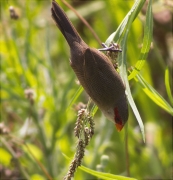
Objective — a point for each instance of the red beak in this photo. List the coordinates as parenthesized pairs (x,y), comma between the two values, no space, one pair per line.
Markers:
(119,127)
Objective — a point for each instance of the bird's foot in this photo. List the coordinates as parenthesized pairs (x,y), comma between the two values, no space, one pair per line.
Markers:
(114,47)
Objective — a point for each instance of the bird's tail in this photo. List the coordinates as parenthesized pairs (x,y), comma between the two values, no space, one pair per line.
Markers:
(64,24)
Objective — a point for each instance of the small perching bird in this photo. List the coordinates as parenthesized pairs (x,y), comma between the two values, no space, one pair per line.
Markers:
(95,72)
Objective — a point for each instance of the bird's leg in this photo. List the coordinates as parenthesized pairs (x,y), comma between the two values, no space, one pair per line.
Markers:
(114,47)
(112,52)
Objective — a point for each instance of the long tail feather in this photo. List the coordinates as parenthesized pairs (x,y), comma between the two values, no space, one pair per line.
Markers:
(64,24)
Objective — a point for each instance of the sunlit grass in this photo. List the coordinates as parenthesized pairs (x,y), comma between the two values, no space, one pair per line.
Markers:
(39,93)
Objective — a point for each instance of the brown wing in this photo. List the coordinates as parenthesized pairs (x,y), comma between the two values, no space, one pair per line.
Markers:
(99,78)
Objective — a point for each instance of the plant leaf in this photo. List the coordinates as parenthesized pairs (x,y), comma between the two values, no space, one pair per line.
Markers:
(148,31)
(154,95)
(76,95)
(167,84)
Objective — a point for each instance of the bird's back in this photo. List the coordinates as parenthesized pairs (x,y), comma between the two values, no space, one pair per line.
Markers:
(98,76)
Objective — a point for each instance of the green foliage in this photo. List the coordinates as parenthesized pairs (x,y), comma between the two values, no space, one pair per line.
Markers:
(39,94)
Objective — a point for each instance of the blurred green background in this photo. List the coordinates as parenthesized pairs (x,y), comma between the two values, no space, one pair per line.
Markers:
(38,84)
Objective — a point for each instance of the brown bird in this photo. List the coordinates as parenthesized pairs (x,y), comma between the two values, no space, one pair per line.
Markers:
(95,72)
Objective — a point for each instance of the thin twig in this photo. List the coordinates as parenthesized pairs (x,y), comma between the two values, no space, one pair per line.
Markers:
(39,163)
(13,153)
(21,142)
(127,155)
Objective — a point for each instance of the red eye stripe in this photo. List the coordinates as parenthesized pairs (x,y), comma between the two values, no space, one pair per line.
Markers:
(118,120)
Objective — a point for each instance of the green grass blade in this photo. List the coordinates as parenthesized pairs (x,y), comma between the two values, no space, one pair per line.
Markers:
(154,95)
(148,31)
(167,84)
(94,110)
(124,29)
(115,36)
(77,94)
(105,176)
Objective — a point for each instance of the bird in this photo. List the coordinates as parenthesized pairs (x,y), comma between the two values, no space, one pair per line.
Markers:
(94,71)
